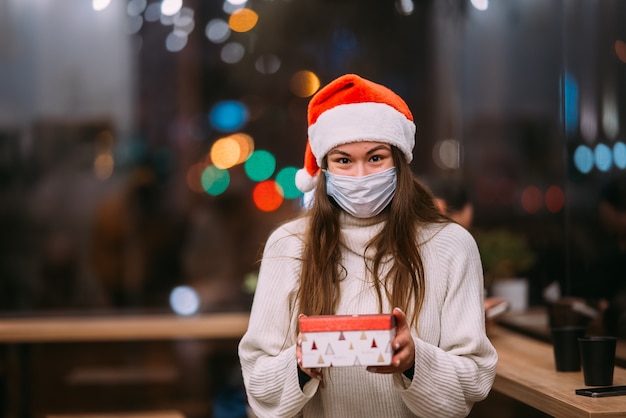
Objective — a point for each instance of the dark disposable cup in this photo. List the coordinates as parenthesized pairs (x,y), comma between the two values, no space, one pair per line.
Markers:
(566,350)
(597,355)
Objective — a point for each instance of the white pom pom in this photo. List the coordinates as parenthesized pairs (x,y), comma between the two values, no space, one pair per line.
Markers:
(304,181)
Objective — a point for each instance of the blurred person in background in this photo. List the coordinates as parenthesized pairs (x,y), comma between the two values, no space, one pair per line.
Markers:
(452,199)
(136,243)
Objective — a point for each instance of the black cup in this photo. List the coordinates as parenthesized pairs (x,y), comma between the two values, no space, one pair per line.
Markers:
(597,355)
(566,351)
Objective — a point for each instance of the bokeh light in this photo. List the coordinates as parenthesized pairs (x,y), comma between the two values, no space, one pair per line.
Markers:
(228,115)
(446,154)
(232,52)
(610,113)
(225,152)
(184,20)
(176,41)
(588,121)
(480,4)
(286,179)
(184,300)
(260,165)
(243,20)
(570,101)
(620,50)
(166,20)
(136,7)
(532,200)
(267,196)
(217,31)
(152,12)
(619,155)
(231,6)
(405,7)
(307,199)
(555,199)
(99,5)
(134,24)
(194,176)
(214,180)
(267,64)
(603,157)
(583,159)
(304,83)
(171,7)
(246,145)
(250,282)
(103,166)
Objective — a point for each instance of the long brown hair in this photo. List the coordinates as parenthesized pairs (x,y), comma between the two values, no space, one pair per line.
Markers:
(403,285)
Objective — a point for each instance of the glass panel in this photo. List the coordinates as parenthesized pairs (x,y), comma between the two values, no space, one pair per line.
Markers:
(142,144)
(593,97)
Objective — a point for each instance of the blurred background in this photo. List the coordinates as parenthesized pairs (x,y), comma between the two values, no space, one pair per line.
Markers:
(148,148)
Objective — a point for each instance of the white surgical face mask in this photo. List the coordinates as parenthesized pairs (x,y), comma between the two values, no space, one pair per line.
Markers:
(362,197)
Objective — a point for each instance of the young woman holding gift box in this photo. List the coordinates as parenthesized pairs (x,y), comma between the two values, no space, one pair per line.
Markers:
(372,241)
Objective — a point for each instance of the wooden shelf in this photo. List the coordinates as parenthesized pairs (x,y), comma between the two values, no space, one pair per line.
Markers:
(123,328)
(151,414)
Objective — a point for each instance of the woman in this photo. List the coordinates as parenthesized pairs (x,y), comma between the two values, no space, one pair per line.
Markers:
(372,241)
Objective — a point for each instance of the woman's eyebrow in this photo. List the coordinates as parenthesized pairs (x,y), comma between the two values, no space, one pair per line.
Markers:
(337,151)
(370,151)
(378,148)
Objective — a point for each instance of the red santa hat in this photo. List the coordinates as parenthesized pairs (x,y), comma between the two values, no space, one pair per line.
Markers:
(351,109)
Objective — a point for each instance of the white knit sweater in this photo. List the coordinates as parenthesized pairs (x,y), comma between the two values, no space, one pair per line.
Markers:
(454,360)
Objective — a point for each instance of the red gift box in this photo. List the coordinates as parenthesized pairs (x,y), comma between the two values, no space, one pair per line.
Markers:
(347,340)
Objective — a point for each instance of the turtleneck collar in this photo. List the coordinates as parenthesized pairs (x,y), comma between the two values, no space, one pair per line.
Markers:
(356,233)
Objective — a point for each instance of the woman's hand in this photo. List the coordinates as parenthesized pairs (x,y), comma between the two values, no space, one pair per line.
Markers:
(314,373)
(403,345)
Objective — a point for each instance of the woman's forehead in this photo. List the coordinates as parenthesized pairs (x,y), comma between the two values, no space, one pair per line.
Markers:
(361,146)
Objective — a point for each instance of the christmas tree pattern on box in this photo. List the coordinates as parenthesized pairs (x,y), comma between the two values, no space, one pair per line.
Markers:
(347,340)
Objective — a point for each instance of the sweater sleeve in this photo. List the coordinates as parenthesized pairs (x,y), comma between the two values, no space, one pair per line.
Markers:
(458,372)
(267,350)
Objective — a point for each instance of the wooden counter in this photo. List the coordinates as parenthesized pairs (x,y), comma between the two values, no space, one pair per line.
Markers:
(526,372)
(123,328)
(534,323)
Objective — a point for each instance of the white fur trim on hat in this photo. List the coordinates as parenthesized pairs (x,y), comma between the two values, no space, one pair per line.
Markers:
(368,121)
(304,181)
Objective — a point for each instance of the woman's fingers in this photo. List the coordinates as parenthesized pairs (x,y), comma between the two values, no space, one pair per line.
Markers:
(403,346)
(314,373)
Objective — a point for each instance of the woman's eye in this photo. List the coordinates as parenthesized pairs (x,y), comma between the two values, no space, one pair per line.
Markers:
(343,161)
